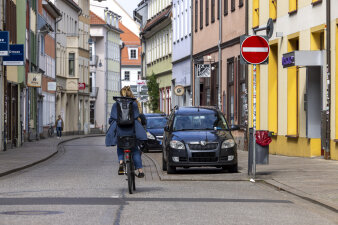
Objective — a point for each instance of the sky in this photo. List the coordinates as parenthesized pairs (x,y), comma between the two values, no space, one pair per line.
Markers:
(129,5)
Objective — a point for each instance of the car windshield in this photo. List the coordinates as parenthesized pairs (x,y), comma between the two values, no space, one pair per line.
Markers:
(211,121)
(156,122)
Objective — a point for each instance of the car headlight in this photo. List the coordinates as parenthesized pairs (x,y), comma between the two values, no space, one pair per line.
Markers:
(176,144)
(150,136)
(228,143)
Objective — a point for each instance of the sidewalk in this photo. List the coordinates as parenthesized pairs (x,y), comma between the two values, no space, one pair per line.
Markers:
(31,153)
(313,179)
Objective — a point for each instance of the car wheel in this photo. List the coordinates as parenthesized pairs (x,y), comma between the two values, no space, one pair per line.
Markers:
(164,164)
(233,168)
(171,169)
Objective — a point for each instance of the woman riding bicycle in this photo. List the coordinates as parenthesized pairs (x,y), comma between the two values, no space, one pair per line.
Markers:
(137,130)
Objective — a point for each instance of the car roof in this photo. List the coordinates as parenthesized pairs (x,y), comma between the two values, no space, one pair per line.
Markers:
(155,114)
(195,110)
(157,117)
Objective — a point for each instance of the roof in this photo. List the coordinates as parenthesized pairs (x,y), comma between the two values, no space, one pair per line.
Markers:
(157,19)
(131,41)
(73,5)
(52,9)
(95,19)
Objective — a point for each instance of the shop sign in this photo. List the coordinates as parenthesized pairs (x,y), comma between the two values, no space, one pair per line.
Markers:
(288,59)
(82,86)
(15,56)
(203,70)
(179,90)
(4,43)
(34,80)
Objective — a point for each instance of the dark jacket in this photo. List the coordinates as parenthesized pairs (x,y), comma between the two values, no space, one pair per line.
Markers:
(115,131)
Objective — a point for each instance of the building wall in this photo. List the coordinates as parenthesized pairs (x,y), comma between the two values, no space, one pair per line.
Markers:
(287,118)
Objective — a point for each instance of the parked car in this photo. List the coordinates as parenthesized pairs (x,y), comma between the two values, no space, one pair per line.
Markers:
(198,136)
(155,128)
(154,114)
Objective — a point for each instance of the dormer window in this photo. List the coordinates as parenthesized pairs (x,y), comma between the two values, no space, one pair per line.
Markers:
(133,53)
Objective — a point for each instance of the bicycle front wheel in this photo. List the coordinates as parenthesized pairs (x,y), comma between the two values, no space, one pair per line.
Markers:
(130,176)
(50,132)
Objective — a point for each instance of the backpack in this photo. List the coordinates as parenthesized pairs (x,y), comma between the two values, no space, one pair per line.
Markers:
(125,112)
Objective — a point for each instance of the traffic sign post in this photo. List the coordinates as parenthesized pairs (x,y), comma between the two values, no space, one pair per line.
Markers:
(254,50)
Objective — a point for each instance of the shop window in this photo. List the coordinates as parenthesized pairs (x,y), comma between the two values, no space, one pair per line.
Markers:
(225,7)
(273,9)
(293,4)
(231,103)
(242,94)
(255,13)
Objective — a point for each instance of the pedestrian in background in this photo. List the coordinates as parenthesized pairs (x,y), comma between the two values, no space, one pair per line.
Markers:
(59,127)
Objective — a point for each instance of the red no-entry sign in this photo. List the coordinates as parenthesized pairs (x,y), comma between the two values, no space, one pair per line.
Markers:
(255,49)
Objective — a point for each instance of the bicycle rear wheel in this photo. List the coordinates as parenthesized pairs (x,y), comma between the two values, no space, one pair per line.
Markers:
(130,176)
(133,175)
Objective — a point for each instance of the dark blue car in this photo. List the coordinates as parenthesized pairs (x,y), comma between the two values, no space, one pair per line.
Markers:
(155,129)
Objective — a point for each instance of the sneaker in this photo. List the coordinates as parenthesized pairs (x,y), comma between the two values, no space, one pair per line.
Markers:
(121,169)
(140,175)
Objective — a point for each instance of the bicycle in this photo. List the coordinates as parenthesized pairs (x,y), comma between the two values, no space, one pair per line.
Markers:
(127,143)
(50,130)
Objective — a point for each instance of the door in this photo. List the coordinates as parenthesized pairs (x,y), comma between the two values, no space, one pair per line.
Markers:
(312,102)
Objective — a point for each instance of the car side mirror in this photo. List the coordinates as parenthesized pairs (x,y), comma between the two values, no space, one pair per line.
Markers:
(234,127)
(166,128)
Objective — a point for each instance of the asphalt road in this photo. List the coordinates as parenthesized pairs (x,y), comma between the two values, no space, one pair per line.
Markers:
(80,185)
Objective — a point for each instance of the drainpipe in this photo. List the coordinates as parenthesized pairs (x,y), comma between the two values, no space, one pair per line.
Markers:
(106,76)
(328,66)
(56,29)
(191,53)
(220,54)
(1,83)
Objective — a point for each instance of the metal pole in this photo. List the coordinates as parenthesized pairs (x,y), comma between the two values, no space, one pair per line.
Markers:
(254,124)
(328,61)
(219,54)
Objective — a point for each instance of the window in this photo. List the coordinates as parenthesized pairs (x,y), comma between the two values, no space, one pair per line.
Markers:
(242,94)
(201,14)
(126,75)
(206,12)
(42,47)
(233,7)
(293,6)
(133,53)
(139,75)
(212,11)
(218,1)
(196,15)
(273,9)
(231,97)
(225,7)
(255,13)
(71,64)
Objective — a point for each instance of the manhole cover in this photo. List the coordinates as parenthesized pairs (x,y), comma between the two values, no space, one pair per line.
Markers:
(30,213)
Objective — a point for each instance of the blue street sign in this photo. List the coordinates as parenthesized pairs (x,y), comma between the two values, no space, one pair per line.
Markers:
(4,43)
(16,56)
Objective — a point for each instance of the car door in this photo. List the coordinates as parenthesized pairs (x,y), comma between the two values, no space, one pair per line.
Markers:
(166,135)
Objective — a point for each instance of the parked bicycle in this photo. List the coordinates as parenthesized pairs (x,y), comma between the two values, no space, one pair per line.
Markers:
(50,130)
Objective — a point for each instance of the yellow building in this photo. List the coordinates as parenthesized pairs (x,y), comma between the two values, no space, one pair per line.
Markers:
(292,89)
